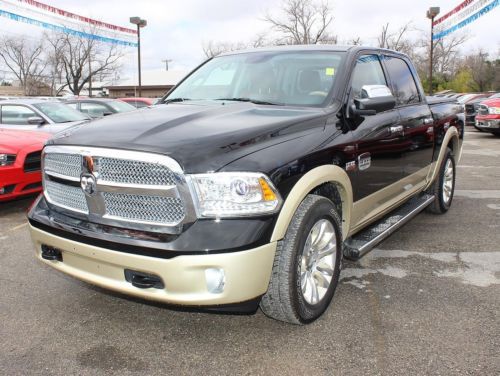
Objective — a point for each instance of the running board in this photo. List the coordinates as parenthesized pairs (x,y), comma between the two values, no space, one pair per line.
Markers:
(364,241)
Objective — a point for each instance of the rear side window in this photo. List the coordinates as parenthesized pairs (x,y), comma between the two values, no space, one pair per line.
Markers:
(367,71)
(404,87)
(16,115)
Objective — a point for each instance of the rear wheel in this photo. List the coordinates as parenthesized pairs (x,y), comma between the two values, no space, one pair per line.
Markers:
(307,264)
(444,186)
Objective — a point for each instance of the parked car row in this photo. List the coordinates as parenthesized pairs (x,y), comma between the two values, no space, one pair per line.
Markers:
(27,123)
(470,102)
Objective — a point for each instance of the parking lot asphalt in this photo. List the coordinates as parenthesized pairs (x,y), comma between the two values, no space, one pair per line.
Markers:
(426,301)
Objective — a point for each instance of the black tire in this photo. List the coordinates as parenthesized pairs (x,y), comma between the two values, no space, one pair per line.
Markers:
(440,205)
(284,299)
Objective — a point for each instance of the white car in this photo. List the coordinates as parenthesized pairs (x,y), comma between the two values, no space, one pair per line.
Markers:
(38,115)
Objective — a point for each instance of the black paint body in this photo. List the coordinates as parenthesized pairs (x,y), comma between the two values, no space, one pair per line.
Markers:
(284,142)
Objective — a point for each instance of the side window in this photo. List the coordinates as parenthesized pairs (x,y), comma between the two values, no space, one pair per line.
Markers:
(404,87)
(16,115)
(367,71)
(93,109)
(72,105)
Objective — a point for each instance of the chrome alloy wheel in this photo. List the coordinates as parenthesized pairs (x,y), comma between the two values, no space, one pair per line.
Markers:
(318,261)
(448,181)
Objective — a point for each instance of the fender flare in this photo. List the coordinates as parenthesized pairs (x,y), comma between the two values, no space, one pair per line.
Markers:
(451,136)
(307,183)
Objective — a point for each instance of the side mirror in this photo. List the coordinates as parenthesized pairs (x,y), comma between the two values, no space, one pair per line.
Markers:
(36,120)
(374,99)
(107,113)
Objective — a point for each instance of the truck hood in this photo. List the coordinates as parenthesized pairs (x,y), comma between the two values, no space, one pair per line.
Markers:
(201,136)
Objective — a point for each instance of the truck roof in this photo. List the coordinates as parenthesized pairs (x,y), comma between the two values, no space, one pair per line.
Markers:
(310,47)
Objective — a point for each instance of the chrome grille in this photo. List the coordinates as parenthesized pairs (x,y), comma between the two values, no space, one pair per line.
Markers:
(156,209)
(66,196)
(134,190)
(134,172)
(69,165)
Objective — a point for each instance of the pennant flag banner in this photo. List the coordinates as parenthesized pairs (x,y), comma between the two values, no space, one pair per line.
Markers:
(49,26)
(77,17)
(466,21)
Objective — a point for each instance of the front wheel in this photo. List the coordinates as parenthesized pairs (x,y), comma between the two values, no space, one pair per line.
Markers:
(443,187)
(307,264)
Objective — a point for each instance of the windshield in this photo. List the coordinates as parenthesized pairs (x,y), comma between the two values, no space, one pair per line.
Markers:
(59,112)
(286,78)
(120,106)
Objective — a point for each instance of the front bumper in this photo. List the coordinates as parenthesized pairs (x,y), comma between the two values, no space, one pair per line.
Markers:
(247,273)
(488,123)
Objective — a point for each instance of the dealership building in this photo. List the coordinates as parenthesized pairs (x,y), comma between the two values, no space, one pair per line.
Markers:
(155,83)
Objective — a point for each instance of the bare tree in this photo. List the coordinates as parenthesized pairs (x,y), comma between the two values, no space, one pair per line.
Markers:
(485,73)
(447,54)
(396,40)
(212,49)
(303,22)
(83,58)
(25,60)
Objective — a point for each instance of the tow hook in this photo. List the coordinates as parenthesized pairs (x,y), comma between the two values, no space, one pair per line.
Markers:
(143,280)
(51,253)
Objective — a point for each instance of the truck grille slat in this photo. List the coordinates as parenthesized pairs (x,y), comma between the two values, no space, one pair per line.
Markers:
(144,208)
(66,196)
(69,165)
(134,172)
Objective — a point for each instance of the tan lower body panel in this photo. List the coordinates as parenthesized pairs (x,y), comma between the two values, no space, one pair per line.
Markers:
(247,273)
(376,205)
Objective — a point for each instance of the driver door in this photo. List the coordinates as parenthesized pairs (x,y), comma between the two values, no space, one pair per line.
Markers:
(376,141)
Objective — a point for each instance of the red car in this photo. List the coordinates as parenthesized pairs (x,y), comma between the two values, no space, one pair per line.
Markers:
(138,102)
(20,156)
(488,116)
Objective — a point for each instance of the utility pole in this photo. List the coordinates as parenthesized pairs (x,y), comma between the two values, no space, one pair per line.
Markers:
(431,14)
(166,61)
(140,23)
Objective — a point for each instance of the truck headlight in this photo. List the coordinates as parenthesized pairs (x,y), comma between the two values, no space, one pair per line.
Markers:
(7,159)
(494,110)
(234,194)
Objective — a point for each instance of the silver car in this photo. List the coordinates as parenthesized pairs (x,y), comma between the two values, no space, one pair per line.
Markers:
(38,115)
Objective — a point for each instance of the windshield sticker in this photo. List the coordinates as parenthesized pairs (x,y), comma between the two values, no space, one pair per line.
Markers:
(330,71)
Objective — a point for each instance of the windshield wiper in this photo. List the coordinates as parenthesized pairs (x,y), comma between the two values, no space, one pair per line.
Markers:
(173,100)
(254,101)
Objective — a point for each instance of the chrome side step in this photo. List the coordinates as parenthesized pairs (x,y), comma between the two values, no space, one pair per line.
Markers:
(363,242)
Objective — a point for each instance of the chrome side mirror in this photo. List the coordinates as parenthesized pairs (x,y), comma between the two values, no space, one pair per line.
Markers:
(36,120)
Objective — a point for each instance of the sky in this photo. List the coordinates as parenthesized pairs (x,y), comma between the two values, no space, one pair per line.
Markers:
(177,29)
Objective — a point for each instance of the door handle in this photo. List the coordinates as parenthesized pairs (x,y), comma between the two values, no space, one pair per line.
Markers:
(428,121)
(396,130)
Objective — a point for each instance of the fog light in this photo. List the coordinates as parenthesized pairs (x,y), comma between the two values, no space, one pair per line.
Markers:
(216,280)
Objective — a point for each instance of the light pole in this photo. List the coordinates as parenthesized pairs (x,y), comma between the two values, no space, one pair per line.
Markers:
(166,61)
(140,23)
(431,14)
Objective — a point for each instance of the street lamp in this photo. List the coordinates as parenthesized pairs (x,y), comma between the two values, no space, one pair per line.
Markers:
(431,14)
(166,61)
(140,23)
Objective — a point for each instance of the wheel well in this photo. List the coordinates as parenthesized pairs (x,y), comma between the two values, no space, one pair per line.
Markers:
(331,191)
(453,145)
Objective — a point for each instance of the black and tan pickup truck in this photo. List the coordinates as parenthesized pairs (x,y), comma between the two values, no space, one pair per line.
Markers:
(249,184)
